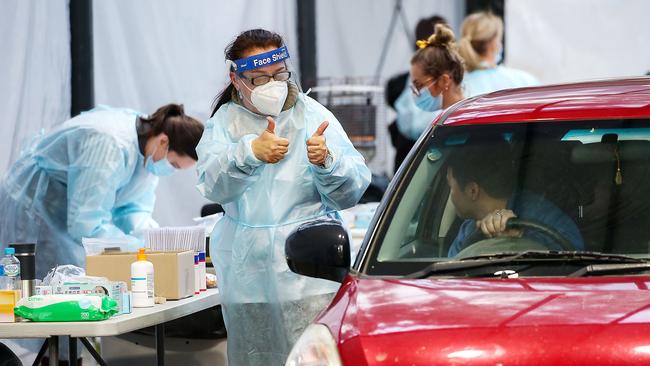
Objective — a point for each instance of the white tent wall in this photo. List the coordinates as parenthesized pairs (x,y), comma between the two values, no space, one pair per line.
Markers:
(563,41)
(152,52)
(351,33)
(34,71)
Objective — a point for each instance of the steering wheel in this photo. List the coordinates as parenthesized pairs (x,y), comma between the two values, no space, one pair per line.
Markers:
(477,244)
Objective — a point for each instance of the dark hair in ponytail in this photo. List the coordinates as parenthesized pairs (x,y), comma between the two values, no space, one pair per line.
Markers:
(254,38)
(183,131)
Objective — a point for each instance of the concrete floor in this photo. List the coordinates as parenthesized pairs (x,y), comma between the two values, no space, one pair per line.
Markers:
(137,349)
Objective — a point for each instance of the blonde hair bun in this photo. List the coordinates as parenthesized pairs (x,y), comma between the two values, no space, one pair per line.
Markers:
(442,36)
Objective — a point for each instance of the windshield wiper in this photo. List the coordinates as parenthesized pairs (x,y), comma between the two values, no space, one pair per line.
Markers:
(509,257)
(608,268)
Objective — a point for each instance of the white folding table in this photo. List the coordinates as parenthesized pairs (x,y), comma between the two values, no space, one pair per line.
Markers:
(140,318)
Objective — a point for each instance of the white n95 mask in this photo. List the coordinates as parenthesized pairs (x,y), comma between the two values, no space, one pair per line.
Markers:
(270,97)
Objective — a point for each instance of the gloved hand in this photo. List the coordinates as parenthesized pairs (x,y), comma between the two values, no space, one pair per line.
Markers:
(268,147)
(316,147)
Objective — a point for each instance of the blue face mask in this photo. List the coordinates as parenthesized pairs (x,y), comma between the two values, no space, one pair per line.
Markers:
(160,168)
(499,57)
(427,102)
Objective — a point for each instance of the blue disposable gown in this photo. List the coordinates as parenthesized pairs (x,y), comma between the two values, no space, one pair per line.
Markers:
(86,178)
(483,81)
(266,306)
(411,120)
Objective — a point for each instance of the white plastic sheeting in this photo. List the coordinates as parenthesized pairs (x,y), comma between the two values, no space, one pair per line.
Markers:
(562,41)
(34,71)
(351,33)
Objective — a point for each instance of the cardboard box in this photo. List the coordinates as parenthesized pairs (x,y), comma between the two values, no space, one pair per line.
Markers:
(8,301)
(173,271)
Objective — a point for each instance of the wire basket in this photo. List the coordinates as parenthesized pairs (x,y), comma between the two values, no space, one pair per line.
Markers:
(359,107)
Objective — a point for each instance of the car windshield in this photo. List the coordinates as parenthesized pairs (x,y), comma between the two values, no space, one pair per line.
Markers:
(561,187)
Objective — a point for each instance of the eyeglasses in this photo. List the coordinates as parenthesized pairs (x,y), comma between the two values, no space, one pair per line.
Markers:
(416,91)
(263,79)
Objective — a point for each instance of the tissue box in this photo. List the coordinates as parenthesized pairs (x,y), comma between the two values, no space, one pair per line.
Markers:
(114,289)
(117,290)
(173,271)
(8,301)
(43,290)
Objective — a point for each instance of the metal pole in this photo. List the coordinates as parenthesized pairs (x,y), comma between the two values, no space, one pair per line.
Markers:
(41,353)
(307,42)
(160,344)
(54,351)
(384,50)
(98,358)
(72,351)
(81,56)
(398,14)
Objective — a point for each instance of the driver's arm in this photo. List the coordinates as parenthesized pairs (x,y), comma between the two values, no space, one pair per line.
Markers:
(464,232)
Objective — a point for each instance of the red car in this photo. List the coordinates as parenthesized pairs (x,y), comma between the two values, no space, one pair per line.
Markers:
(566,170)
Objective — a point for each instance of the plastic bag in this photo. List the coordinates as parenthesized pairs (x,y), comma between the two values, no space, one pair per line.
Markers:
(96,246)
(66,308)
(60,274)
(69,273)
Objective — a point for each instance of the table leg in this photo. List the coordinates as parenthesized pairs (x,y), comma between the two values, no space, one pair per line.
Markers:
(41,353)
(160,344)
(72,351)
(98,358)
(54,351)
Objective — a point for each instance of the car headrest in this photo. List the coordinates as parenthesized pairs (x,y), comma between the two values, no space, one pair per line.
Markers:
(598,153)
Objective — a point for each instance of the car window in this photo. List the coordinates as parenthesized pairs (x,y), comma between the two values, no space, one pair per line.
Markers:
(585,181)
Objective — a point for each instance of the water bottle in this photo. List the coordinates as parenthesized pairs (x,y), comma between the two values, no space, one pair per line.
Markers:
(11,266)
(3,278)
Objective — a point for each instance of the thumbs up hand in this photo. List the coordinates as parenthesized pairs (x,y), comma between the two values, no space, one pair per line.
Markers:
(316,148)
(268,147)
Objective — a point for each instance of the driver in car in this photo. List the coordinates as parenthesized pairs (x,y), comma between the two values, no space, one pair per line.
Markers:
(482,187)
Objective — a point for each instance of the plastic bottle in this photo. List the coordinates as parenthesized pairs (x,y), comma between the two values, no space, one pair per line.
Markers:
(202,270)
(142,285)
(11,266)
(3,278)
(197,275)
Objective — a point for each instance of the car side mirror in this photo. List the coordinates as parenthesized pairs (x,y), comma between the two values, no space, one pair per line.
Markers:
(319,249)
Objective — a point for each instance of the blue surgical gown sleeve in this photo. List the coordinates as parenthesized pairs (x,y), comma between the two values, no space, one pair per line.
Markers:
(97,165)
(135,216)
(343,182)
(226,168)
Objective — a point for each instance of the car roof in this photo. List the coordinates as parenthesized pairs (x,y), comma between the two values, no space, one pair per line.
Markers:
(601,99)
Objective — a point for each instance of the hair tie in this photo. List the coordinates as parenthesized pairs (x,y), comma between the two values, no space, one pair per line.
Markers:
(422,43)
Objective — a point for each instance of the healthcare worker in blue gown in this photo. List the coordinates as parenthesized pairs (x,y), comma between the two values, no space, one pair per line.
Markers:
(482,49)
(437,71)
(274,158)
(93,176)
(413,118)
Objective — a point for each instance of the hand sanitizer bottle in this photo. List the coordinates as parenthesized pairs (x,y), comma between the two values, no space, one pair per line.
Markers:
(142,285)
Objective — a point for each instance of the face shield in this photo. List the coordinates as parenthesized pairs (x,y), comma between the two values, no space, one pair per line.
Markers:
(266,78)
